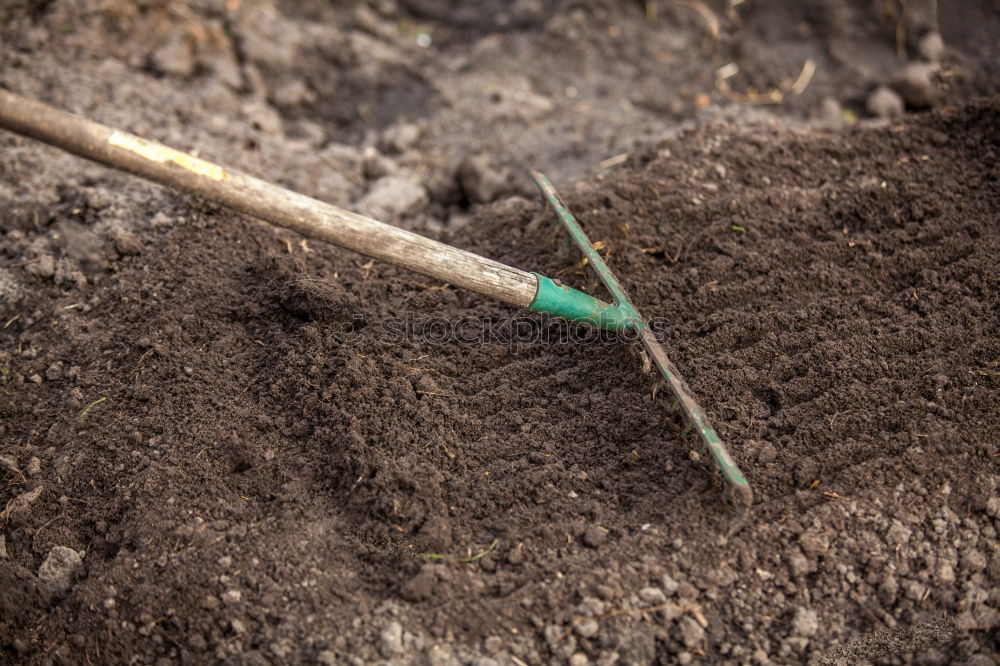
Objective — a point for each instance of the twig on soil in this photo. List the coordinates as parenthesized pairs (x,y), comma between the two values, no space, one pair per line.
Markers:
(432,287)
(751,96)
(732,14)
(647,365)
(712,25)
(481,554)
(12,320)
(20,503)
(23,263)
(773,95)
(11,466)
(138,370)
(614,160)
(652,11)
(466,560)
(146,354)
(804,79)
(364,280)
(39,530)
(576,268)
(83,412)
(682,247)
(901,31)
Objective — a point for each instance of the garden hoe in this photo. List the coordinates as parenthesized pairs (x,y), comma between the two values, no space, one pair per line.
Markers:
(316,219)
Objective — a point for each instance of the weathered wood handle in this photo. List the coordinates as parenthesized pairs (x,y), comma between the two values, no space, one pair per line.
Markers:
(260,199)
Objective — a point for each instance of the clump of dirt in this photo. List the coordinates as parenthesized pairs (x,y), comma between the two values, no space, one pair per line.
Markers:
(223,442)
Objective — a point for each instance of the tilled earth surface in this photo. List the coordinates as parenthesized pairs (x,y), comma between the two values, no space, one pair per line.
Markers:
(223,443)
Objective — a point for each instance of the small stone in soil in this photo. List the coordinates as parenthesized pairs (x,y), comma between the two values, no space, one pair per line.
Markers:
(652,595)
(393,196)
(421,586)
(814,542)
(608,658)
(375,165)
(174,58)
(898,534)
(493,644)
(400,138)
(884,103)
(805,622)
(294,93)
(59,568)
(435,534)
(587,629)
(798,563)
(263,117)
(54,371)
(691,632)
(669,584)
(19,508)
(391,640)
(831,114)
(479,180)
(9,463)
(595,536)
(126,243)
(931,47)
(45,267)
(915,86)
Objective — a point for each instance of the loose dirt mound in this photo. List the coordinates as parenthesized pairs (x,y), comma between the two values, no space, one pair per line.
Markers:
(270,450)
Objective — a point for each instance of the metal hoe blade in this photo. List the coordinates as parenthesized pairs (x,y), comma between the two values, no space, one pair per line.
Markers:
(739,489)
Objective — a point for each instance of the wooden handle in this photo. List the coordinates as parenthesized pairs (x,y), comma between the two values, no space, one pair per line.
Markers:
(260,199)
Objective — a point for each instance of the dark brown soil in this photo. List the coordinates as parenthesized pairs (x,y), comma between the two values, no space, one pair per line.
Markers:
(255,443)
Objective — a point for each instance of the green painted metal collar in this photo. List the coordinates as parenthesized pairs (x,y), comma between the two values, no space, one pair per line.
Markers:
(567,303)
